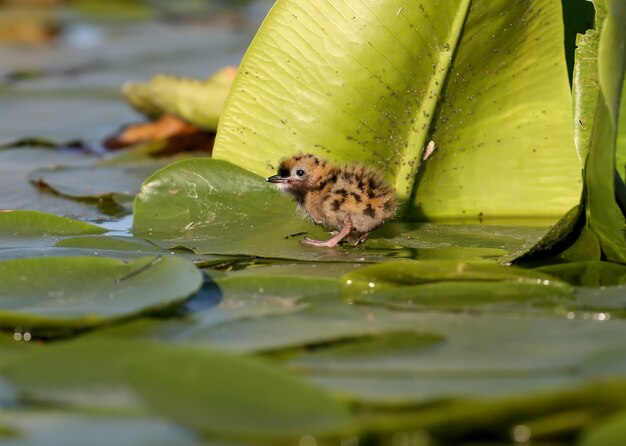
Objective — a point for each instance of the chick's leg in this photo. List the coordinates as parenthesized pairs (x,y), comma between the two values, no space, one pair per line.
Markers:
(332,242)
(362,238)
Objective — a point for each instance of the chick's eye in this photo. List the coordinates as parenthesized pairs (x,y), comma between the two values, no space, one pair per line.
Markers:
(300,172)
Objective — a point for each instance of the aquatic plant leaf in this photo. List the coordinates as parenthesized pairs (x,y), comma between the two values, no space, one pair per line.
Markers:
(197,102)
(90,371)
(50,427)
(16,191)
(406,273)
(223,395)
(96,182)
(453,285)
(382,79)
(212,206)
(21,228)
(235,297)
(604,216)
(588,274)
(609,431)
(51,294)
(210,391)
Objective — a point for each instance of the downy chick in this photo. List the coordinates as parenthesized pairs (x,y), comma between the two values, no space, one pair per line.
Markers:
(352,200)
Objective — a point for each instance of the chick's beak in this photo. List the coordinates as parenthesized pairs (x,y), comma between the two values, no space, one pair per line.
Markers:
(276,179)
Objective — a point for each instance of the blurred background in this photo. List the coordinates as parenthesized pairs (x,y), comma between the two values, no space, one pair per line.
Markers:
(63,62)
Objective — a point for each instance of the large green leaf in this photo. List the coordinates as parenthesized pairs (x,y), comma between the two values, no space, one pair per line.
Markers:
(212,206)
(375,81)
(604,216)
(65,293)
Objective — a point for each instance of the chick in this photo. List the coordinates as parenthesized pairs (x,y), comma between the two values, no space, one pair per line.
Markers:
(352,200)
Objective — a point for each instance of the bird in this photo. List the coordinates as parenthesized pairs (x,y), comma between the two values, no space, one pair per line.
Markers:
(351,199)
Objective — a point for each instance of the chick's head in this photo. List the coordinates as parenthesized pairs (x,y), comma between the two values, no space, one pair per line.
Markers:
(299,173)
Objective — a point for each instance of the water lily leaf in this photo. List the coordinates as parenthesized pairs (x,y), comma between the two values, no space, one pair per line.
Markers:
(610,431)
(197,102)
(30,252)
(90,372)
(16,192)
(585,86)
(466,295)
(527,354)
(403,273)
(240,296)
(108,242)
(585,248)
(67,293)
(599,303)
(297,270)
(96,181)
(223,395)
(212,206)
(383,79)
(217,393)
(22,228)
(41,427)
(503,419)
(604,216)
(588,274)
(452,241)
(453,286)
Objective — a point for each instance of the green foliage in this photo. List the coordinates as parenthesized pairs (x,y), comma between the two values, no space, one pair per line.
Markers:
(597,104)
(198,102)
(69,293)
(393,76)
(424,332)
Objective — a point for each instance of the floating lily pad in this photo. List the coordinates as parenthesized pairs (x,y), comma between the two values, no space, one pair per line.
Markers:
(23,228)
(610,431)
(588,274)
(214,207)
(454,285)
(415,272)
(240,296)
(455,241)
(87,372)
(41,427)
(211,206)
(16,192)
(222,395)
(108,242)
(476,356)
(68,293)
(210,391)
(95,181)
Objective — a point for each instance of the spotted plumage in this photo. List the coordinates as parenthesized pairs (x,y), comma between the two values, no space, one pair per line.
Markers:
(352,199)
